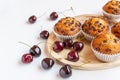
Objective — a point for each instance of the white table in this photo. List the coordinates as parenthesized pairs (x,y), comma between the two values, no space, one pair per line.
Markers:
(13,28)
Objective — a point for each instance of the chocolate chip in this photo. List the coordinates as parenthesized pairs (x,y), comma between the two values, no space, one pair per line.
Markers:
(76,24)
(63,32)
(99,31)
(104,41)
(65,23)
(108,50)
(69,24)
(109,7)
(72,22)
(115,40)
(72,29)
(116,32)
(97,48)
(96,22)
(57,29)
(93,28)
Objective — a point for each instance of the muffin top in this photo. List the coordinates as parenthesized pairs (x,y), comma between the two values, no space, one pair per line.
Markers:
(67,26)
(116,29)
(112,7)
(95,26)
(107,44)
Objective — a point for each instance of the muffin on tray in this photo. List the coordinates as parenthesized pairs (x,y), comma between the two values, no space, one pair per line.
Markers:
(106,47)
(116,30)
(112,9)
(67,28)
(94,27)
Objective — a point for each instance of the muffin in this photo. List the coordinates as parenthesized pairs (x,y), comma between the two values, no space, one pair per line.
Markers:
(94,27)
(116,30)
(67,28)
(112,9)
(106,47)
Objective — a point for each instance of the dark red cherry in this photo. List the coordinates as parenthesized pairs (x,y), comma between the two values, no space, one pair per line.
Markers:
(65,71)
(35,51)
(44,34)
(27,58)
(32,19)
(47,63)
(73,56)
(78,46)
(53,16)
(68,43)
(58,46)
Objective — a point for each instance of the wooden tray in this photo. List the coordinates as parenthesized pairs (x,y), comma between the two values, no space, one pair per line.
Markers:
(87,60)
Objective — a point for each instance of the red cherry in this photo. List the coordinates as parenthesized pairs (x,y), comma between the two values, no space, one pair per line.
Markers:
(65,71)
(32,19)
(44,34)
(35,51)
(78,46)
(68,43)
(27,58)
(58,46)
(53,16)
(47,63)
(73,56)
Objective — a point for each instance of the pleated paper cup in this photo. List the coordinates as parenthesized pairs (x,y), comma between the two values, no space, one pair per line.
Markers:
(105,57)
(62,37)
(87,36)
(111,16)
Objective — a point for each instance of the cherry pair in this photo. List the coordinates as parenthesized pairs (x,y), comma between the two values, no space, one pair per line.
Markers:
(53,16)
(34,51)
(65,71)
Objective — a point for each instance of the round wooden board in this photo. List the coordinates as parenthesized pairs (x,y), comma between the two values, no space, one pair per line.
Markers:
(87,60)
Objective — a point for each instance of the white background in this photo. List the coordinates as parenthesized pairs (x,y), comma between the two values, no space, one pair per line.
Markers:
(14,28)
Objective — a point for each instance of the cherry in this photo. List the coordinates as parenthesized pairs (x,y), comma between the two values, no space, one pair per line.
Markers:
(68,43)
(27,58)
(73,56)
(58,46)
(78,46)
(65,71)
(47,63)
(32,19)
(35,51)
(44,34)
(53,16)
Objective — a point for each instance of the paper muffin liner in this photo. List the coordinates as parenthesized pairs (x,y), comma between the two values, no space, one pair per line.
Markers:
(111,16)
(87,36)
(62,37)
(105,57)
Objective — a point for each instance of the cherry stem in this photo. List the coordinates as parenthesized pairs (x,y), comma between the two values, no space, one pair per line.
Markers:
(42,15)
(62,13)
(73,11)
(25,44)
(43,42)
(67,10)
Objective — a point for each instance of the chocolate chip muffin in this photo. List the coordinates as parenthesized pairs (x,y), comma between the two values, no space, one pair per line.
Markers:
(112,7)
(67,27)
(107,44)
(94,26)
(116,29)
(106,47)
